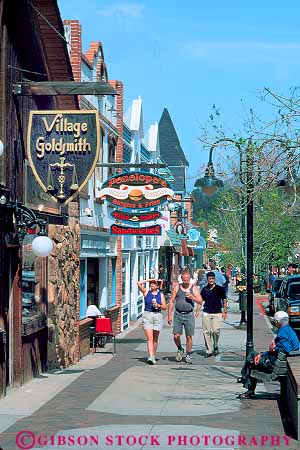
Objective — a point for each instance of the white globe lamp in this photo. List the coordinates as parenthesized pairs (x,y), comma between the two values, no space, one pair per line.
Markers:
(171,206)
(42,246)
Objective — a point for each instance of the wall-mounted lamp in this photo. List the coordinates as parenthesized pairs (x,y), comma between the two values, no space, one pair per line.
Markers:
(173,206)
(3,200)
(42,246)
(87,212)
(25,219)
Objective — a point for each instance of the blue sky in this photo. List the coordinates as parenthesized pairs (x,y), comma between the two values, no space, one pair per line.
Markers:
(189,55)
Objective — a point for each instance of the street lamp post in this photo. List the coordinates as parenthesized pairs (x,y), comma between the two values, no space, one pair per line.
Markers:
(210,184)
(250,210)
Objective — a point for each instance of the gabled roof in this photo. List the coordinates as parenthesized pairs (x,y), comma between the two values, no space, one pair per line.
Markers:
(169,144)
(165,172)
(55,47)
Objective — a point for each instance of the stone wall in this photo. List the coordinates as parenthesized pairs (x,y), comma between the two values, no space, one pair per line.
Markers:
(63,292)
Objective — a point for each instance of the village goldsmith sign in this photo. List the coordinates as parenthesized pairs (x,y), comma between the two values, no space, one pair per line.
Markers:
(63,149)
(136,190)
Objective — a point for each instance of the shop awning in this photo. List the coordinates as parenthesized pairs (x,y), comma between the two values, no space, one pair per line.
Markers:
(175,240)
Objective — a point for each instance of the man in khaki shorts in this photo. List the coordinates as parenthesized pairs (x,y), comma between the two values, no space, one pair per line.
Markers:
(215,307)
(183,297)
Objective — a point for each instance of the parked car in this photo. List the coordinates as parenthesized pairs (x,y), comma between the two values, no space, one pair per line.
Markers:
(272,291)
(288,299)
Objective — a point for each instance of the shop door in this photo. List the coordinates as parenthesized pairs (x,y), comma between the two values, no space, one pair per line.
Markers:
(169,269)
(3,312)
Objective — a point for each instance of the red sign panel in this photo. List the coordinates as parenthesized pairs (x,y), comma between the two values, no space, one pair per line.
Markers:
(136,190)
(31,231)
(128,217)
(154,230)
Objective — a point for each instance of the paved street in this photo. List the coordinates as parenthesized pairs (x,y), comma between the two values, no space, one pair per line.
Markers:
(114,402)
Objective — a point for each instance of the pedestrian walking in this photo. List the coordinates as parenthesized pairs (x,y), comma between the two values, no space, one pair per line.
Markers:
(227,280)
(215,307)
(152,319)
(202,280)
(183,297)
(162,278)
(220,279)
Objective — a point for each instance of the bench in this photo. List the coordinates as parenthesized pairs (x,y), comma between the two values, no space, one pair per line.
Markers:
(287,371)
(292,397)
(279,373)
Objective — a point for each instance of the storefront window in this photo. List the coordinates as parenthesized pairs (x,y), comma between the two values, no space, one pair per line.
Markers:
(112,282)
(83,287)
(33,281)
(93,282)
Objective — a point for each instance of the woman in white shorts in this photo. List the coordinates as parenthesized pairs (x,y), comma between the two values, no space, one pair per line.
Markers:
(152,317)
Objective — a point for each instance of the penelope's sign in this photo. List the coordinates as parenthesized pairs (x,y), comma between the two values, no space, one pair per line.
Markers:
(63,149)
(136,190)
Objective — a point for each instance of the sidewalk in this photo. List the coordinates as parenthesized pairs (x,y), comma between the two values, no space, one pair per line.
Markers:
(122,403)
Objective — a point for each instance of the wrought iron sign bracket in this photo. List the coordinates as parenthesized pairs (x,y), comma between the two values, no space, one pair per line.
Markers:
(25,219)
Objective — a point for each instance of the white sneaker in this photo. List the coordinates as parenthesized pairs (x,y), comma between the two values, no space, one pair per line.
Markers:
(151,360)
(188,359)
(179,355)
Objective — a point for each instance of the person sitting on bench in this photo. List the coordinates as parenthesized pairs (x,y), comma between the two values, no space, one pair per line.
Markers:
(286,341)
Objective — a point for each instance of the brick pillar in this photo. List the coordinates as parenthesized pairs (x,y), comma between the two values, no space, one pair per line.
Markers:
(118,85)
(189,207)
(76,47)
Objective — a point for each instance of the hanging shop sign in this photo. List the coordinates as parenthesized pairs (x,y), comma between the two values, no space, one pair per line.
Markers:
(193,234)
(154,230)
(201,245)
(136,190)
(63,149)
(180,228)
(136,218)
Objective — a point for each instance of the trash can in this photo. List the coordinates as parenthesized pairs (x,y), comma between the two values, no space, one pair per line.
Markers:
(243,300)
(243,304)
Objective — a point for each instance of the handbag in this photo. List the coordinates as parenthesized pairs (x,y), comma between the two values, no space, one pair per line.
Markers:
(266,363)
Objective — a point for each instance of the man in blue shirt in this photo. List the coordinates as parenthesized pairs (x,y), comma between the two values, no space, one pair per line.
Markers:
(286,341)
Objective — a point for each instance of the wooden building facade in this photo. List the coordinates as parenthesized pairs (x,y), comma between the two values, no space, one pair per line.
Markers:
(39,306)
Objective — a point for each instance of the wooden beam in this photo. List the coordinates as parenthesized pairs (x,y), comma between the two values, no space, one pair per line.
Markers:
(63,88)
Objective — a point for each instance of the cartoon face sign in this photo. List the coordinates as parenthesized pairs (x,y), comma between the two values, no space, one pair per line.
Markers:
(179,227)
